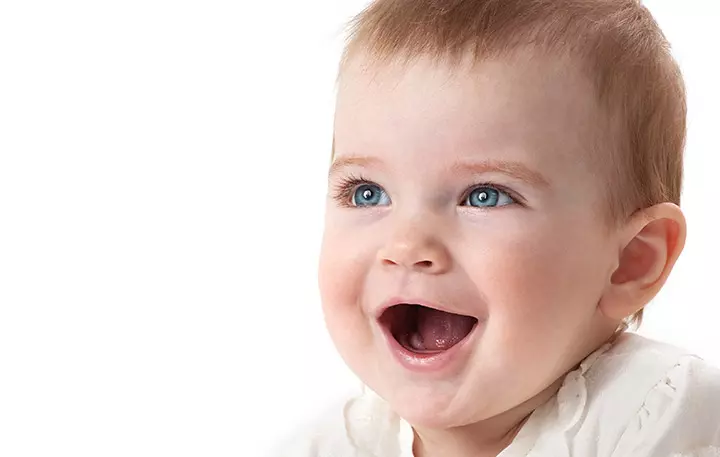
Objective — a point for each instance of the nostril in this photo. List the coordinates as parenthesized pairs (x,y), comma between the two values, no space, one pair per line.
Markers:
(388,262)
(422,264)
(430,258)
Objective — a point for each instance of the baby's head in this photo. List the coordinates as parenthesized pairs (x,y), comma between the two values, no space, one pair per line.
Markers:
(502,198)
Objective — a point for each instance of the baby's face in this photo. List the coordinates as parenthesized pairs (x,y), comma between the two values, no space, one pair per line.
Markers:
(471,195)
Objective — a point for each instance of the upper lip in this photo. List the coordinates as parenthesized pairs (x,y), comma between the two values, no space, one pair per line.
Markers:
(417,301)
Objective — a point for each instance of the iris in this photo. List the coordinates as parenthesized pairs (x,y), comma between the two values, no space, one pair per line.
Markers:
(370,195)
(487,197)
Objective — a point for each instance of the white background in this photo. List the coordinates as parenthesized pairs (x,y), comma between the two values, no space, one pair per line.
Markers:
(162,175)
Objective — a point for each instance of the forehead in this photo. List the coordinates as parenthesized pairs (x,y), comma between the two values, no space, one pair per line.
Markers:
(538,110)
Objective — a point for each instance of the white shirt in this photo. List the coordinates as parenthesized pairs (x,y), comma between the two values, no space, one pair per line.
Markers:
(634,398)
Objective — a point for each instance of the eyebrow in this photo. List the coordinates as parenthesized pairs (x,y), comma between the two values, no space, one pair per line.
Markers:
(343,162)
(513,169)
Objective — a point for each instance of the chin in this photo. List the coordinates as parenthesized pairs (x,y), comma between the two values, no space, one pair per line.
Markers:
(427,408)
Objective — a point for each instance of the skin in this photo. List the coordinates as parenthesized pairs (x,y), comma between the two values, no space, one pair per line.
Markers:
(546,278)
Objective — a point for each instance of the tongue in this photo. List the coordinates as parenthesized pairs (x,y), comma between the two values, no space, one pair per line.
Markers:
(438,330)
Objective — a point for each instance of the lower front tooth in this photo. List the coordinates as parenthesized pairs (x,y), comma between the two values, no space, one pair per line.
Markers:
(416,342)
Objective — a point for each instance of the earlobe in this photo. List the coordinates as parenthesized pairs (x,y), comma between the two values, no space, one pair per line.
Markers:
(654,239)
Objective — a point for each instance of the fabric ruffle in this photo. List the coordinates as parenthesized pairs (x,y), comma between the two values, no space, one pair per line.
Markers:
(561,413)
(710,451)
(678,405)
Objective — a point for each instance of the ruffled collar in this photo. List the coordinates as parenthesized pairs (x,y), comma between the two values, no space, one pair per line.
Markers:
(547,425)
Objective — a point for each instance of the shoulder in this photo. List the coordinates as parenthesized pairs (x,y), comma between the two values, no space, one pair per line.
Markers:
(653,399)
(682,410)
(358,425)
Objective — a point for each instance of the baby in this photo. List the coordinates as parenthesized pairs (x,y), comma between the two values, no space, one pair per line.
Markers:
(503,202)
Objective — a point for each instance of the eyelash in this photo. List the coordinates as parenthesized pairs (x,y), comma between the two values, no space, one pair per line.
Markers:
(343,191)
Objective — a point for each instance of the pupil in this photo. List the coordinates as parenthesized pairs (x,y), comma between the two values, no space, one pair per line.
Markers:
(483,196)
(367,194)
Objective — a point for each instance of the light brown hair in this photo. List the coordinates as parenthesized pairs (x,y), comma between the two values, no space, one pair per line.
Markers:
(617,43)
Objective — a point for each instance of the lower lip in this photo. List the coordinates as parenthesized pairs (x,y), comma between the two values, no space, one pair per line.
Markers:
(433,362)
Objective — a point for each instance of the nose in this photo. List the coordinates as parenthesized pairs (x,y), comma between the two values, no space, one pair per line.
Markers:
(415,249)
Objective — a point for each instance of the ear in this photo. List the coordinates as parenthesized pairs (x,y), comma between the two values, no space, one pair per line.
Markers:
(649,246)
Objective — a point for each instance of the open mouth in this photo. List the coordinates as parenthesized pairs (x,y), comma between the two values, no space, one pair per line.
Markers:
(424,330)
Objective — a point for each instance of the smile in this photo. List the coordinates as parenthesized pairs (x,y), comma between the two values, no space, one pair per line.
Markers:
(424,338)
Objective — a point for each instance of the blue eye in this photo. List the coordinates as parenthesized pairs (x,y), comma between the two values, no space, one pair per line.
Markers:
(488,197)
(370,195)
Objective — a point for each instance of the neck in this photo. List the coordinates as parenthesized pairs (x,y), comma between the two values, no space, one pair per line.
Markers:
(481,439)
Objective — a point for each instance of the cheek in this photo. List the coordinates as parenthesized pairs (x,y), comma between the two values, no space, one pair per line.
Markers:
(541,294)
(539,276)
(341,273)
(347,254)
